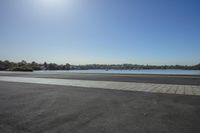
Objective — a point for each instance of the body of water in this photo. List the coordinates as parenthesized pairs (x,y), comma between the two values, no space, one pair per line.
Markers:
(152,71)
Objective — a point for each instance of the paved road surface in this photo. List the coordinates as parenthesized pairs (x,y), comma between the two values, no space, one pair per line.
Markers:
(128,86)
(157,79)
(36,108)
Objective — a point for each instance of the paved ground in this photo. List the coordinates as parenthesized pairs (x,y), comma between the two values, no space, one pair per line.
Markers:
(158,79)
(128,86)
(36,108)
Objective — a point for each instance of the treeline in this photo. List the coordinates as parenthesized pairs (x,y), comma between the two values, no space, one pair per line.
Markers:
(25,66)
(132,67)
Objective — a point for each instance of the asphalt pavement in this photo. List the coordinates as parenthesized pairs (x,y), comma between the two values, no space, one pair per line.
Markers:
(138,78)
(36,108)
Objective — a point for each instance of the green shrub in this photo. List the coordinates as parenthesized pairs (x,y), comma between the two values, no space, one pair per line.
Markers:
(24,69)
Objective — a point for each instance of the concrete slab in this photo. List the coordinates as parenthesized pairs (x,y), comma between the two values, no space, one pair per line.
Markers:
(126,86)
(180,90)
(188,90)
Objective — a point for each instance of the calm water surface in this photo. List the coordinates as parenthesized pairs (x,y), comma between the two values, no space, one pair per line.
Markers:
(152,71)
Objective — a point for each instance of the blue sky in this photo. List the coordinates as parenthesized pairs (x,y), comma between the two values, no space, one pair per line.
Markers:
(101,31)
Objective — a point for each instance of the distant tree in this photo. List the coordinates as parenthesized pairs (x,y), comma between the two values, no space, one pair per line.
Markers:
(196,67)
(67,66)
(45,65)
(35,66)
(7,64)
(24,66)
(22,63)
(2,66)
(52,66)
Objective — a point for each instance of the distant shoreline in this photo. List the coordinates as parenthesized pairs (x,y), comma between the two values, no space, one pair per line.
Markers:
(25,66)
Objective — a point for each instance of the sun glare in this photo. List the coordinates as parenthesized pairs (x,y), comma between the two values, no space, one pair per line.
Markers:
(52,3)
(52,6)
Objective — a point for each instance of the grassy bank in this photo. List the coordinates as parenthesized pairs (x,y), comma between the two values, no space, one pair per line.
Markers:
(22,69)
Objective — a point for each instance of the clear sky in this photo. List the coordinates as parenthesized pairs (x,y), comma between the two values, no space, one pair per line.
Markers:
(101,31)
